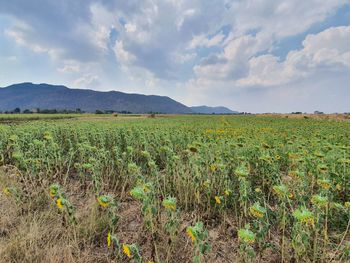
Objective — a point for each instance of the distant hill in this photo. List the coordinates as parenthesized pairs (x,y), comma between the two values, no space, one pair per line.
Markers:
(213,110)
(45,96)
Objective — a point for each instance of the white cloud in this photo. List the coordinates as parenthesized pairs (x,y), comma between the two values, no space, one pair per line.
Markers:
(183,58)
(279,18)
(19,34)
(70,66)
(123,56)
(204,41)
(233,61)
(326,51)
(185,15)
(88,80)
(238,63)
(130,28)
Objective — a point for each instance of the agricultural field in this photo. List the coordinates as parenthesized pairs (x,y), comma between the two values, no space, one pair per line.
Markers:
(175,189)
(11,118)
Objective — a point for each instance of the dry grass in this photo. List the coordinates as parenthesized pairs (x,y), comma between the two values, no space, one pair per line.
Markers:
(35,231)
(335,117)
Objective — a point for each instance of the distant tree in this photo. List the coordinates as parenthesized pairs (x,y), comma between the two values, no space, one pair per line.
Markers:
(26,111)
(17,110)
(98,112)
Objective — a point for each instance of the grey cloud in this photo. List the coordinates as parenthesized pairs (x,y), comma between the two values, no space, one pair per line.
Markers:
(54,24)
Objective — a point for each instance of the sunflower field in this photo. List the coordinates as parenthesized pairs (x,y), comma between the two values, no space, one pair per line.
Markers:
(175,189)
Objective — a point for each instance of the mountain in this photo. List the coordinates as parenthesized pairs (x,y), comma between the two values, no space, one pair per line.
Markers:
(212,110)
(45,96)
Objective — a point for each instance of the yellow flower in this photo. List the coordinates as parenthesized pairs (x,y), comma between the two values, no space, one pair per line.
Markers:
(338,186)
(257,190)
(6,191)
(227,192)
(191,234)
(109,239)
(217,200)
(126,250)
(59,203)
(213,167)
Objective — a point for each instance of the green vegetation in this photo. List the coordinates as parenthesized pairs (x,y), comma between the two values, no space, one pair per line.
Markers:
(175,189)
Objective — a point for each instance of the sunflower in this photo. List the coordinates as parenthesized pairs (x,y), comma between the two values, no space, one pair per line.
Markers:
(127,250)
(191,233)
(319,201)
(257,211)
(324,183)
(170,203)
(54,190)
(218,199)
(59,203)
(246,236)
(281,191)
(104,200)
(304,216)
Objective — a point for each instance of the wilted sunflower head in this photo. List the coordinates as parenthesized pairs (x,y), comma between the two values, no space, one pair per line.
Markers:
(319,201)
(242,171)
(257,210)
(196,232)
(304,216)
(54,190)
(105,200)
(245,235)
(322,168)
(170,203)
(138,193)
(324,183)
(281,190)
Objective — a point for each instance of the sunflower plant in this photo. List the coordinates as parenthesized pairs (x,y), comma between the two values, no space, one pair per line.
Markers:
(199,237)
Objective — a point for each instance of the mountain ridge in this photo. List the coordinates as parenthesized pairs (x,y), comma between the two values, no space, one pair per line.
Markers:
(203,109)
(28,95)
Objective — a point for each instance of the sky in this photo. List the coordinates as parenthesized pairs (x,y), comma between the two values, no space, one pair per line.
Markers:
(248,55)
